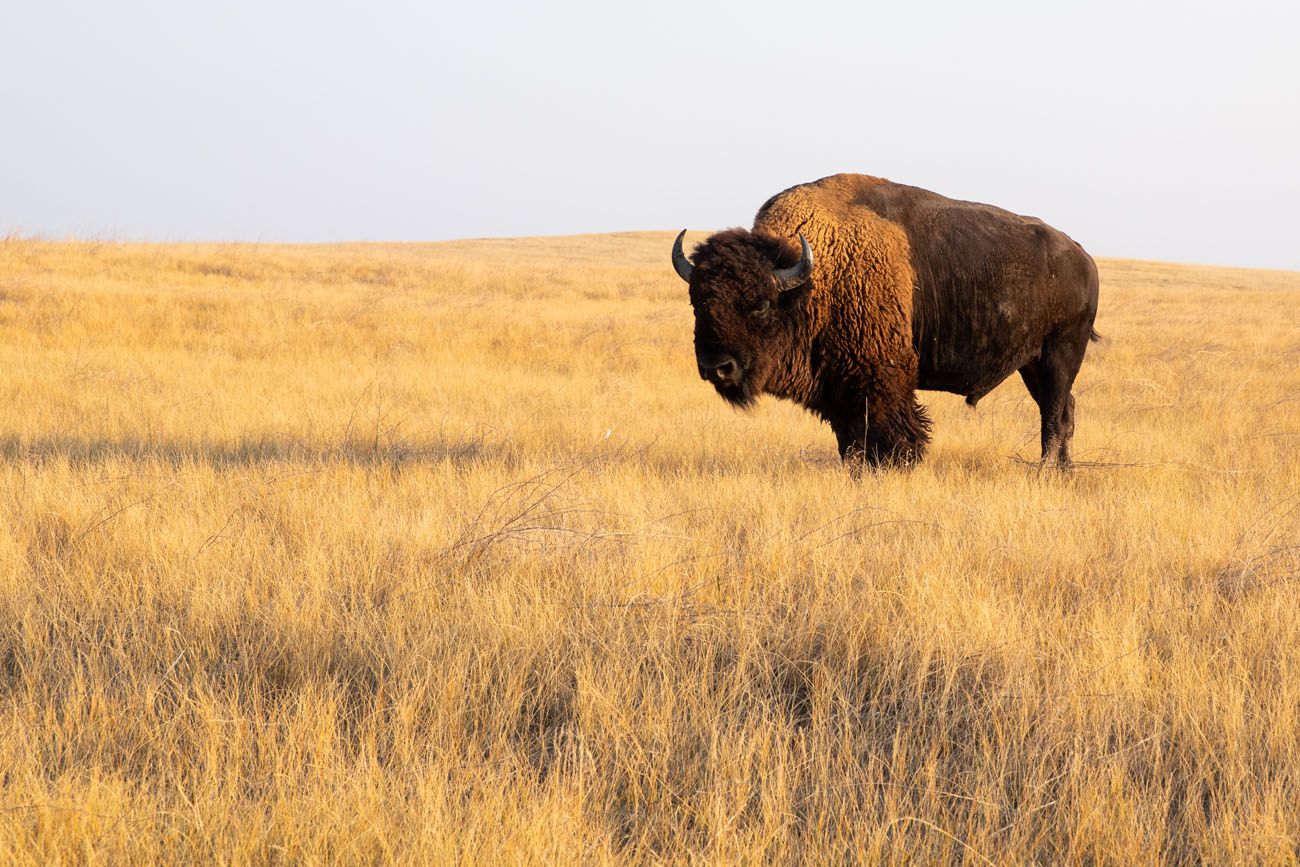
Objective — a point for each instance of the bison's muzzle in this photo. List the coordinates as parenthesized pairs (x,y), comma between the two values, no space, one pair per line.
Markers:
(718,368)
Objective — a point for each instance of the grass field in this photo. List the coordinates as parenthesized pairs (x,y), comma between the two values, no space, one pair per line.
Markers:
(443,553)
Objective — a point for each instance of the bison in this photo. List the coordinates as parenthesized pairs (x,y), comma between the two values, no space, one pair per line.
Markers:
(851,292)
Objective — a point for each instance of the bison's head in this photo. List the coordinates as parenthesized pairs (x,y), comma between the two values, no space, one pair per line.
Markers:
(747,289)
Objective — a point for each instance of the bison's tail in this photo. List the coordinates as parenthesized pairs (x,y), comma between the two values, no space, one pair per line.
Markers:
(1094,336)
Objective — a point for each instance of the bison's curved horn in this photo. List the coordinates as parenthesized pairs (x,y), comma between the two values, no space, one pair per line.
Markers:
(796,275)
(682,265)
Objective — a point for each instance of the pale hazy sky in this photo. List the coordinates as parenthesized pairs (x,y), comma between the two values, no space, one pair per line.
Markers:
(1165,130)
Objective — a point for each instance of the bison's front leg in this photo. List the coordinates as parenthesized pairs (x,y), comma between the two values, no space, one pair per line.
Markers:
(881,433)
(898,429)
(898,437)
(851,435)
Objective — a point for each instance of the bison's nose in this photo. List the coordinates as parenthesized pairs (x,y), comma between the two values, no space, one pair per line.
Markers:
(720,368)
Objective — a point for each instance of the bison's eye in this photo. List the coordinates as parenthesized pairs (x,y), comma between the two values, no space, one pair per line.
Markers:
(761,309)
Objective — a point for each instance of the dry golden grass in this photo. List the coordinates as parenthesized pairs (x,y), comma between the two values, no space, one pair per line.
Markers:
(442,553)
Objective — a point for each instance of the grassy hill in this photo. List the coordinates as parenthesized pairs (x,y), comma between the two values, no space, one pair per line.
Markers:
(432,553)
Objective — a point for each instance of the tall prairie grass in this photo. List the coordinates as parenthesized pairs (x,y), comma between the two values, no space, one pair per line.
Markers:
(443,554)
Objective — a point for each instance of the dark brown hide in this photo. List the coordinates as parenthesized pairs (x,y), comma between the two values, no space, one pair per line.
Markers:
(909,290)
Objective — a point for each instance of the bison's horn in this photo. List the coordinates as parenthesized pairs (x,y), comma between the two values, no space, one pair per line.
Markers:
(796,275)
(680,262)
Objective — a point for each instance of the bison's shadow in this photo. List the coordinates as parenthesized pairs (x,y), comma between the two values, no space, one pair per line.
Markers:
(246,452)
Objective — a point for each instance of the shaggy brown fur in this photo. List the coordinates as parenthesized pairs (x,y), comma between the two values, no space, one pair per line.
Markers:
(909,290)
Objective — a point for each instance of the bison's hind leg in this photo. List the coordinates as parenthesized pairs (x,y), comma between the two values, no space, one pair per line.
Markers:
(1049,379)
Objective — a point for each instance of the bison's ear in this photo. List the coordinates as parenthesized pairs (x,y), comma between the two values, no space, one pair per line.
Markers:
(796,275)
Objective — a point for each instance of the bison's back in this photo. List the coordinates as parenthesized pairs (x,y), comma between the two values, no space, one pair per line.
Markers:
(989,286)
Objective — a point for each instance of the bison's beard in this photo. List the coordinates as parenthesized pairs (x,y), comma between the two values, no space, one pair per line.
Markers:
(742,395)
